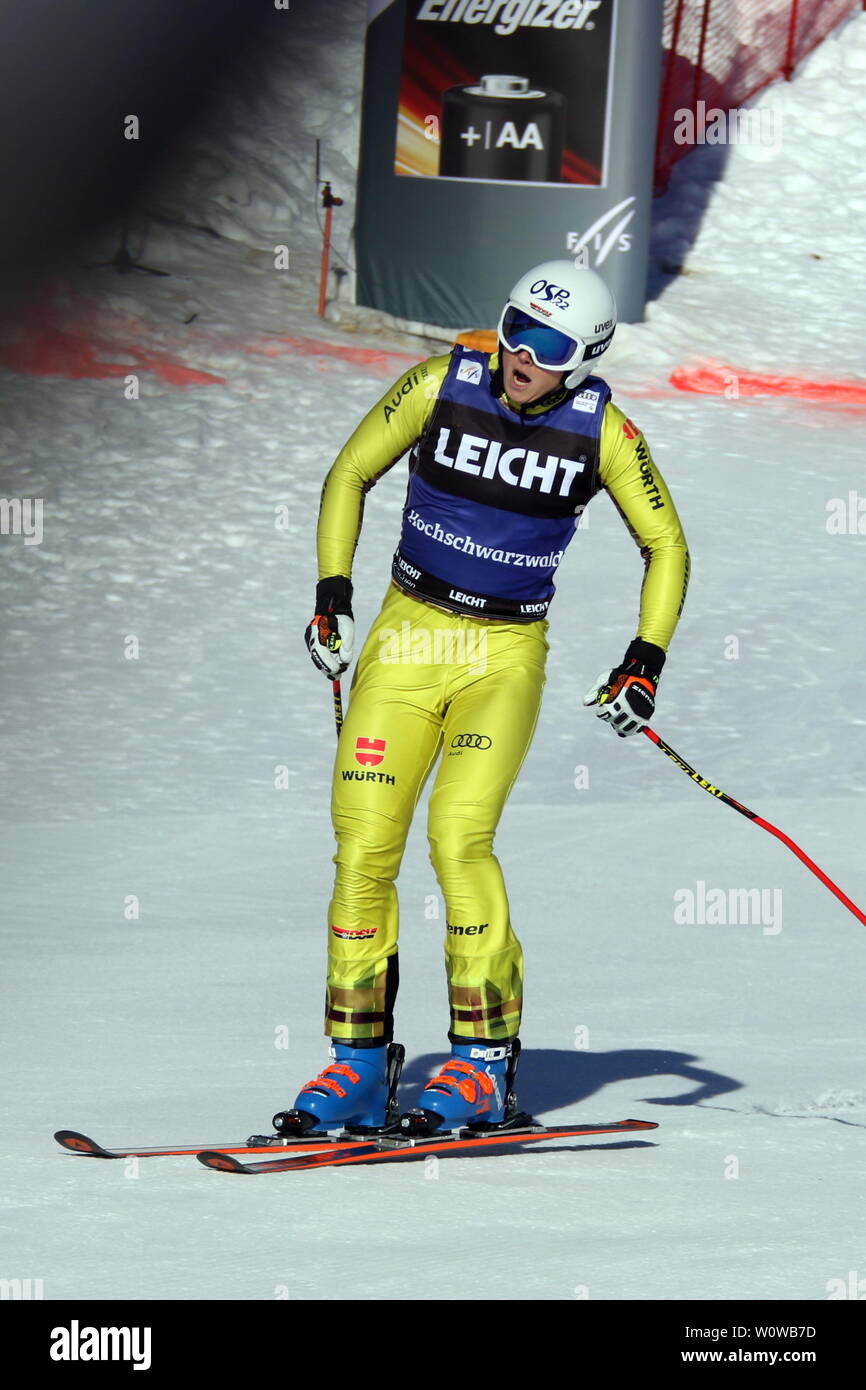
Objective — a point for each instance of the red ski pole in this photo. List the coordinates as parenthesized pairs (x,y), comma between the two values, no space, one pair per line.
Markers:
(759,820)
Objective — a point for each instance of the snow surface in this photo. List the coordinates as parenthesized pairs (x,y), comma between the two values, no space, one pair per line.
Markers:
(157,776)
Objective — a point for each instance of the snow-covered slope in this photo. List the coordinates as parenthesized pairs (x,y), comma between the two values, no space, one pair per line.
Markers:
(166,752)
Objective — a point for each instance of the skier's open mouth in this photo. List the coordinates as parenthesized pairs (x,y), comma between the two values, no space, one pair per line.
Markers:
(521,378)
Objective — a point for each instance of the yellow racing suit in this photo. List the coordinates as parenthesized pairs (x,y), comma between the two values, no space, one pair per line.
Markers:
(454,663)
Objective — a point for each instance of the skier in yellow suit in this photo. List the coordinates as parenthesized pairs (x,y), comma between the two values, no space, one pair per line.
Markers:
(507,451)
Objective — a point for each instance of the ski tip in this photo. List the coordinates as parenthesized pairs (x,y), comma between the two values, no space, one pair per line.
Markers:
(212,1158)
(77,1143)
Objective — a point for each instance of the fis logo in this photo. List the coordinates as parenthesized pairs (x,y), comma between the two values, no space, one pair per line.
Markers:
(606,234)
(471,741)
(469,371)
(370,751)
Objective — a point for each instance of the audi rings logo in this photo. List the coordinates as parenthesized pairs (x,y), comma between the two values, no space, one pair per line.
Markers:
(471,741)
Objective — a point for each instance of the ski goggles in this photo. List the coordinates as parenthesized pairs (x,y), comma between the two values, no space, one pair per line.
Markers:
(548,347)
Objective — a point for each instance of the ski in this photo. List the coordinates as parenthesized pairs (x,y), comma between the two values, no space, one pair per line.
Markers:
(289,1124)
(76,1143)
(393,1146)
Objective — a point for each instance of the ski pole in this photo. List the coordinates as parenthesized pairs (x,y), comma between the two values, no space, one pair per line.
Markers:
(759,820)
(338,706)
(329,636)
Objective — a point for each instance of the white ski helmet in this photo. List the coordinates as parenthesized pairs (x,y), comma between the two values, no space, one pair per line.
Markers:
(563,314)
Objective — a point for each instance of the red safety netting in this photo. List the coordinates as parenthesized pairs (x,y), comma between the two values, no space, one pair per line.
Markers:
(722,52)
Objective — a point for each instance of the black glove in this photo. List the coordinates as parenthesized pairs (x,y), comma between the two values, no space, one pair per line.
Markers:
(627,695)
(330,637)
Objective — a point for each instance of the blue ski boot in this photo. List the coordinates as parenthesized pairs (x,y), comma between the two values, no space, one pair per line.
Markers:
(473,1090)
(356,1092)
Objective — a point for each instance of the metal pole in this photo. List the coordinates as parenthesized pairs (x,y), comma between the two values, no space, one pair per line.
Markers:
(664,105)
(699,65)
(329,202)
(790,61)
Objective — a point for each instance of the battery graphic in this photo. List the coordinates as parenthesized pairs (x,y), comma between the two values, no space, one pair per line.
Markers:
(502,128)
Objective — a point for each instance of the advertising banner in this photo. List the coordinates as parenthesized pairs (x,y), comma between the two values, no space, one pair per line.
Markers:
(487,94)
(497,134)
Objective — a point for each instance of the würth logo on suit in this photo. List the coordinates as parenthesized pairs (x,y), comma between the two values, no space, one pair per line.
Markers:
(369,751)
